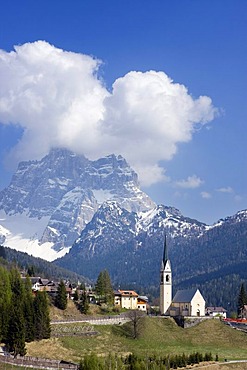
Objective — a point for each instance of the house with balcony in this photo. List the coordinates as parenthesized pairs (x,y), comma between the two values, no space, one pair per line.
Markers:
(130,300)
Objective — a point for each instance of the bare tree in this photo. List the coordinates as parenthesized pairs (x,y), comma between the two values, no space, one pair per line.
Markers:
(137,322)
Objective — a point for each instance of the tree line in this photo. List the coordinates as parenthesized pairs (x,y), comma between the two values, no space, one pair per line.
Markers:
(39,266)
(242,300)
(133,362)
(23,316)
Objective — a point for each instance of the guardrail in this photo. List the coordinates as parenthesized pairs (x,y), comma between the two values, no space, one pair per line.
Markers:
(38,363)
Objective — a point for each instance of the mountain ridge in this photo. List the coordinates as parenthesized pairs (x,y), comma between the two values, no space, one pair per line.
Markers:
(91,215)
(67,189)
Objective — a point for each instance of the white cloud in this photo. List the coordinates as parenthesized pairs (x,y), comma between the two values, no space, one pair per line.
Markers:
(54,95)
(206,195)
(191,182)
(148,114)
(227,189)
(58,99)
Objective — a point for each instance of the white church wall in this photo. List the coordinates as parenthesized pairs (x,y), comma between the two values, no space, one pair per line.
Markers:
(197,305)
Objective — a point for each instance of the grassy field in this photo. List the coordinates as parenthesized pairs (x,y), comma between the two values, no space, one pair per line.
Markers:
(159,336)
(224,366)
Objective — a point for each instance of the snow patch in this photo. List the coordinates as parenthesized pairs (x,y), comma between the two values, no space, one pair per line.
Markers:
(22,224)
(3,230)
(34,248)
(23,233)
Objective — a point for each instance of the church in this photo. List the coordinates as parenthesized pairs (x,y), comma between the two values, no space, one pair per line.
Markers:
(188,302)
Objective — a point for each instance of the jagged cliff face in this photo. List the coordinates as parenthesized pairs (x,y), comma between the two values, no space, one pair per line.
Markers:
(61,193)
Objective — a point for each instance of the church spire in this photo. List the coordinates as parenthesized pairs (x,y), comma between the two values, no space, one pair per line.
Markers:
(165,254)
(165,282)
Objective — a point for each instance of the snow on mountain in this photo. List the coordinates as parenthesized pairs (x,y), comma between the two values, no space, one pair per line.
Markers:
(130,245)
(238,217)
(113,227)
(171,220)
(23,233)
(66,200)
(110,227)
(49,202)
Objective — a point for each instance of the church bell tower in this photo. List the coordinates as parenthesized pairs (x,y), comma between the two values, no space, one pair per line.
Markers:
(165,283)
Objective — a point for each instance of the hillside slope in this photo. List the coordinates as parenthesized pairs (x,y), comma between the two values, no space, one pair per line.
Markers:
(159,337)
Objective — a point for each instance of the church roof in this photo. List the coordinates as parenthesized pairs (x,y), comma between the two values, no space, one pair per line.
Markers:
(216,309)
(184,295)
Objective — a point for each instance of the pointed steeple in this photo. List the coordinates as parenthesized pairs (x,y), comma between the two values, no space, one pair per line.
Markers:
(165,282)
(165,254)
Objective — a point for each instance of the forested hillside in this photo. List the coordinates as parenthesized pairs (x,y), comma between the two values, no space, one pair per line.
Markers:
(23,317)
(215,261)
(41,267)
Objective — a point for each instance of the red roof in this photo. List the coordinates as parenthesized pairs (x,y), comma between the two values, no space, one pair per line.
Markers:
(128,293)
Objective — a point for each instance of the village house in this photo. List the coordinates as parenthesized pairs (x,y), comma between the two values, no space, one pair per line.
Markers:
(126,299)
(216,312)
(49,286)
(130,300)
(244,312)
(142,303)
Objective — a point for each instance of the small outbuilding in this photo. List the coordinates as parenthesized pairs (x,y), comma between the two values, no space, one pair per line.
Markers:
(216,312)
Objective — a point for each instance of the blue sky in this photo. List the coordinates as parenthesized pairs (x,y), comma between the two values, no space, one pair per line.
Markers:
(162,83)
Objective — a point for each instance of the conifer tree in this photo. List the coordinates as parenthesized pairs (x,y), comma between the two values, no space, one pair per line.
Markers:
(16,331)
(76,296)
(5,301)
(28,310)
(16,284)
(30,271)
(84,304)
(42,329)
(61,296)
(99,286)
(2,252)
(103,287)
(15,338)
(242,299)
(90,362)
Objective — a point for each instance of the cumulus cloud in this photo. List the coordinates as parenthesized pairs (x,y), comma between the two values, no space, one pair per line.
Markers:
(191,182)
(54,95)
(59,100)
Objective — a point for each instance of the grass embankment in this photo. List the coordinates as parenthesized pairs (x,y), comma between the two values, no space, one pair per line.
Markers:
(158,336)
(72,313)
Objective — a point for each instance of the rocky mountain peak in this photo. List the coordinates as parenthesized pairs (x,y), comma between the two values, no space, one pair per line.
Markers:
(64,190)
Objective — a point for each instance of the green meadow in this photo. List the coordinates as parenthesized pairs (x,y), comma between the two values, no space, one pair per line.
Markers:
(157,336)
